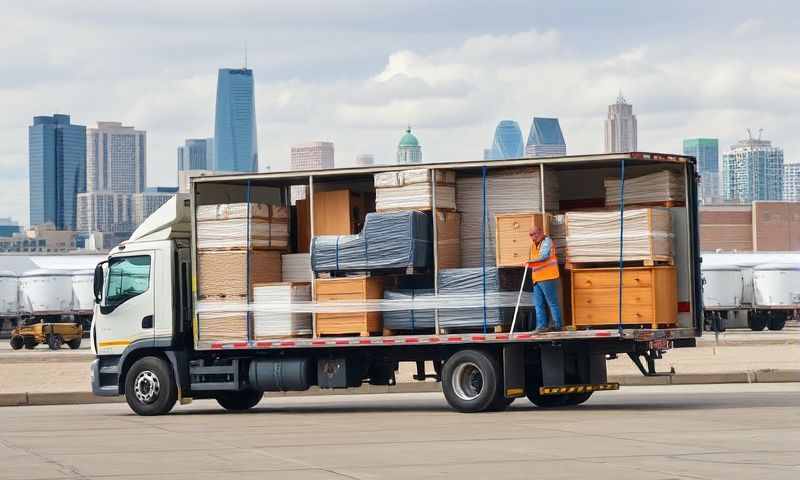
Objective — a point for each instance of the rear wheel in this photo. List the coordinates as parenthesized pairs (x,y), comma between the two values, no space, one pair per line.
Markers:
(75,343)
(756,321)
(30,343)
(150,387)
(55,341)
(17,342)
(777,320)
(238,401)
(470,381)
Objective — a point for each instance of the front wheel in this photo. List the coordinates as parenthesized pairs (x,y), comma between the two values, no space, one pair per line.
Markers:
(239,401)
(470,380)
(150,387)
(17,342)
(55,341)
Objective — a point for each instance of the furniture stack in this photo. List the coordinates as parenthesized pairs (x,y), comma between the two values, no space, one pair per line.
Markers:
(239,246)
(513,245)
(348,290)
(510,190)
(663,188)
(413,190)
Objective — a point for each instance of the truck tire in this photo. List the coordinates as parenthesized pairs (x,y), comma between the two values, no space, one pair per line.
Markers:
(30,343)
(470,380)
(776,321)
(239,401)
(75,343)
(17,342)
(500,402)
(756,321)
(150,387)
(55,341)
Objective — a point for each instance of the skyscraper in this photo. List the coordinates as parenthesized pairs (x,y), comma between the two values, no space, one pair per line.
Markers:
(507,142)
(409,150)
(116,159)
(57,170)
(752,170)
(196,154)
(545,138)
(312,156)
(148,201)
(706,151)
(365,160)
(235,142)
(620,127)
(791,182)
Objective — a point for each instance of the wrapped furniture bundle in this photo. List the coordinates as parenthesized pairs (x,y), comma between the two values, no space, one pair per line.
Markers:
(510,190)
(595,236)
(389,240)
(276,324)
(234,225)
(409,320)
(412,190)
(469,281)
(660,187)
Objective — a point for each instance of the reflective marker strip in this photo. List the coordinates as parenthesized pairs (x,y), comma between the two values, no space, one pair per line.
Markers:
(114,343)
(566,389)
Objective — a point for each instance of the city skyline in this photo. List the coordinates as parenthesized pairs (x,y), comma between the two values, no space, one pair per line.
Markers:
(442,81)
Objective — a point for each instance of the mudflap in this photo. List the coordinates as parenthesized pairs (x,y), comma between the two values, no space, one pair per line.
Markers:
(514,370)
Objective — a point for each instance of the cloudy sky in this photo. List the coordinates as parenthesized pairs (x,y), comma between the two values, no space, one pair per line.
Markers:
(356,72)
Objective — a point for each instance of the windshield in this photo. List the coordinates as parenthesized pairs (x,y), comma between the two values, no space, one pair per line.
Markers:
(127,278)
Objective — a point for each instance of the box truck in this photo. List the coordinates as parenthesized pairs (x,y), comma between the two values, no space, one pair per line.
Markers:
(176,321)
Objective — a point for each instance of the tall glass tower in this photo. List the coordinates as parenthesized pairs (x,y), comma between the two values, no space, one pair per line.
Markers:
(507,141)
(706,151)
(57,170)
(752,170)
(235,143)
(545,138)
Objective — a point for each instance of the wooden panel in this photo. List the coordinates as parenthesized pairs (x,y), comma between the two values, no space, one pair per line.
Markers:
(448,241)
(303,226)
(332,213)
(609,297)
(341,286)
(665,293)
(609,278)
(513,244)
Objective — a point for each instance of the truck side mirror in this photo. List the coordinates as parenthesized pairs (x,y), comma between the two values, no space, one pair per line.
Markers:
(98,283)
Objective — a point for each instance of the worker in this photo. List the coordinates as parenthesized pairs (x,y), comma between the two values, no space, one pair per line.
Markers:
(544,272)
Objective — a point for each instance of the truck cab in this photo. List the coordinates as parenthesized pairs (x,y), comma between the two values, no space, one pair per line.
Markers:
(143,300)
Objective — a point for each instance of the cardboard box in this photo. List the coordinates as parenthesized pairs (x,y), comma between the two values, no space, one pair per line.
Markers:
(448,241)
(222,274)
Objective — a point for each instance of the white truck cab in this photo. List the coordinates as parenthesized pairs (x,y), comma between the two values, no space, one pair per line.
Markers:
(142,297)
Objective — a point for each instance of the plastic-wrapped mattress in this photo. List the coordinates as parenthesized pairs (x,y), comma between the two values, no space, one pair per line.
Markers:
(470,281)
(389,240)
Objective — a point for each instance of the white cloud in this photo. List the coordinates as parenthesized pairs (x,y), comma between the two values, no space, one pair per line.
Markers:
(751,26)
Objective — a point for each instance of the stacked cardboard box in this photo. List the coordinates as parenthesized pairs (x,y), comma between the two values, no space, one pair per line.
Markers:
(448,241)
(413,190)
(239,225)
(277,321)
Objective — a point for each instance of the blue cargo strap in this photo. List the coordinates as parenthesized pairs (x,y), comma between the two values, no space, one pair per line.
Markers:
(412,310)
(337,251)
(483,245)
(621,239)
(249,316)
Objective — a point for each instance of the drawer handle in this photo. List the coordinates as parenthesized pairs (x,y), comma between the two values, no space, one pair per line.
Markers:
(588,300)
(515,225)
(588,282)
(637,280)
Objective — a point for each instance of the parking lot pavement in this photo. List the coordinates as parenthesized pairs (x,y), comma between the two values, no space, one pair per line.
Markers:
(692,432)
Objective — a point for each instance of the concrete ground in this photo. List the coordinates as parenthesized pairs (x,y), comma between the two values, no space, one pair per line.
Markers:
(42,370)
(677,432)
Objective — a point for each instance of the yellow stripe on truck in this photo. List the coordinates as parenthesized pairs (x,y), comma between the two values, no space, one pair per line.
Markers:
(114,343)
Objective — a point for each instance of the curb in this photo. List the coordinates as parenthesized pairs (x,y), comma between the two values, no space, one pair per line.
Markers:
(750,376)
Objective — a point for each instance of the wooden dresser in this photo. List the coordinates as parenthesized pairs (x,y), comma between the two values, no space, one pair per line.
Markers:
(649,296)
(513,245)
(349,289)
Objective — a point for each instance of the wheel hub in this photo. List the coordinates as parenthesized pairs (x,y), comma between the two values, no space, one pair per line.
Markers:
(467,381)
(146,387)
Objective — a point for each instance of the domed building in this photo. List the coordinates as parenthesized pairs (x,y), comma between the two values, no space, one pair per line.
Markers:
(409,149)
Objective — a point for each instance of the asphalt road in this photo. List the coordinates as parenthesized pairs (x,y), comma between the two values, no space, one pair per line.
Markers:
(676,432)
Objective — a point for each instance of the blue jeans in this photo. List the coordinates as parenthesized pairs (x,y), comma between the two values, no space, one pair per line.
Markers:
(546,292)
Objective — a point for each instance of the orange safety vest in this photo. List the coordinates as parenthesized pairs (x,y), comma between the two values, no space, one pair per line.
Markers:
(547,269)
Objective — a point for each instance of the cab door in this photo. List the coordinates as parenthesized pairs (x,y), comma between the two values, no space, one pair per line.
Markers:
(126,311)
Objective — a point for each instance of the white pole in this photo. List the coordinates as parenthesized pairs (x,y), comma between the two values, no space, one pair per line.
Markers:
(519,297)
